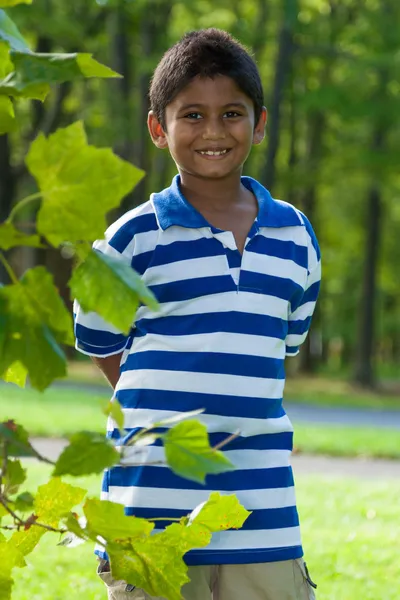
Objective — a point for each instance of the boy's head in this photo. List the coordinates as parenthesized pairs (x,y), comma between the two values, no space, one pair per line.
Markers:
(205,54)
(206,102)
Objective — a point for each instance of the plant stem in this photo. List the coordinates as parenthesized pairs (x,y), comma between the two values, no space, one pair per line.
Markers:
(227,440)
(8,268)
(22,203)
(22,523)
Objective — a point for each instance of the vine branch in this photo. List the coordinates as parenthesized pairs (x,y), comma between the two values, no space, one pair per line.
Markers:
(22,203)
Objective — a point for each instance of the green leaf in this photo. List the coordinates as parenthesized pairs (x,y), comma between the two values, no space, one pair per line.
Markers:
(38,283)
(156,564)
(8,3)
(17,438)
(80,184)
(114,410)
(26,541)
(108,520)
(34,73)
(10,237)
(34,321)
(7,116)
(16,373)
(161,555)
(10,557)
(92,281)
(9,33)
(24,502)
(15,475)
(76,535)
(88,452)
(56,498)
(189,454)
(219,513)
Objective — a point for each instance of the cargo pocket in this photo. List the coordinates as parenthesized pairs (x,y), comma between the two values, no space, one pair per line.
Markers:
(307,586)
(117,589)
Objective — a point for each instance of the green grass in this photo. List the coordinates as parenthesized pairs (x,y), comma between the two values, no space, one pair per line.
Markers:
(59,412)
(339,440)
(54,413)
(350,536)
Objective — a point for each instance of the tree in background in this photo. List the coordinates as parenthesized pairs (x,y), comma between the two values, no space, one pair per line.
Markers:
(330,72)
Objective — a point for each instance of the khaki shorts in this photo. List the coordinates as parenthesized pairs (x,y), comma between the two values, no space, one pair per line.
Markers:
(284,580)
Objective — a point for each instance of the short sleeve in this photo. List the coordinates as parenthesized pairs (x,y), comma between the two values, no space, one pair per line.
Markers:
(300,315)
(93,335)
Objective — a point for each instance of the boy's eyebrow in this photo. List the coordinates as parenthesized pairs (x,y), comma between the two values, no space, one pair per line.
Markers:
(200,105)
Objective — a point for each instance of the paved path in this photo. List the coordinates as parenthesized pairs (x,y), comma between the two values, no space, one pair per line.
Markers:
(335,415)
(302,463)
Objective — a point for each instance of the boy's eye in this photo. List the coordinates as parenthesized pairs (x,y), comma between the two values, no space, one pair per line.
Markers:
(193,116)
(232,113)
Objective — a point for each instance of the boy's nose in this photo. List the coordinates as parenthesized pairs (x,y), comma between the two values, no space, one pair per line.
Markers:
(214,130)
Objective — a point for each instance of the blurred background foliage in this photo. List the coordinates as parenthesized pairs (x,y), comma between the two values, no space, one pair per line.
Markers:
(331,73)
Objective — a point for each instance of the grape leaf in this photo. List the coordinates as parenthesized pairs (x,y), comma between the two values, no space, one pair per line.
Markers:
(38,283)
(113,409)
(161,554)
(219,513)
(9,33)
(24,502)
(108,520)
(7,3)
(10,236)
(154,564)
(189,454)
(34,72)
(35,322)
(16,373)
(76,534)
(7,115)
(10,557)
(26,541)
(15,475)
(92,281)
(80,184)
(17,439)
(55,498)
(88,452)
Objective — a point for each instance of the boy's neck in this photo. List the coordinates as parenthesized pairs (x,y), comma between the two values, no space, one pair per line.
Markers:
(216,195)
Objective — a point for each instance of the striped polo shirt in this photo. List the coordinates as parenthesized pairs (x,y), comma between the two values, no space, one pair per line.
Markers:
(218,342)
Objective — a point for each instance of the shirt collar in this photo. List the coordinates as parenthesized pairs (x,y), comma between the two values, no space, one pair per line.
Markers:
(172,208)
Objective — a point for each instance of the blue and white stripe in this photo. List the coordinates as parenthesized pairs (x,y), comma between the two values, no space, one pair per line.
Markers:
(226,323)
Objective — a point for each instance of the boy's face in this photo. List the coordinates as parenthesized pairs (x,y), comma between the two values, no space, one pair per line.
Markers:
(210,128)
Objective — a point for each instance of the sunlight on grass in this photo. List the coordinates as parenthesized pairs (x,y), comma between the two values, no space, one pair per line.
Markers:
(350,531)
(55,412)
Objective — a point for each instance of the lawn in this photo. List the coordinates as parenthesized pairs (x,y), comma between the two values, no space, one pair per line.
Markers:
(350,531)
(328,391)
(59,412)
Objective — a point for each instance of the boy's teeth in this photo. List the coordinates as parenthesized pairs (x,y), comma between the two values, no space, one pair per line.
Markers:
(211,153)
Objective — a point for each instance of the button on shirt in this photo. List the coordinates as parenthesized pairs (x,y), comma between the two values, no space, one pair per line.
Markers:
(218,342)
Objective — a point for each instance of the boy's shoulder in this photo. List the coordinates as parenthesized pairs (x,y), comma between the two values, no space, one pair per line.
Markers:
(136,220)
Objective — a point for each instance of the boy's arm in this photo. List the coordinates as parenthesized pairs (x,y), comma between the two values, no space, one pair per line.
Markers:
(110,367)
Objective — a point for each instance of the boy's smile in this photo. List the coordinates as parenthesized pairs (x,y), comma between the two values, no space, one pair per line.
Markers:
(210,128)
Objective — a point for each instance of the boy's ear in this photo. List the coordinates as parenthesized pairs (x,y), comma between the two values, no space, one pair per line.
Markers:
(259,130)
(156,131)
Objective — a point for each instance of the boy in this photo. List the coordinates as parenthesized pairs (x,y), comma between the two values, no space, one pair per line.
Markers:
(236,274)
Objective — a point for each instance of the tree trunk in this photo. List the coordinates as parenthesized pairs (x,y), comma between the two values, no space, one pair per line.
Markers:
(364,368)
(282,68)
(8,188)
